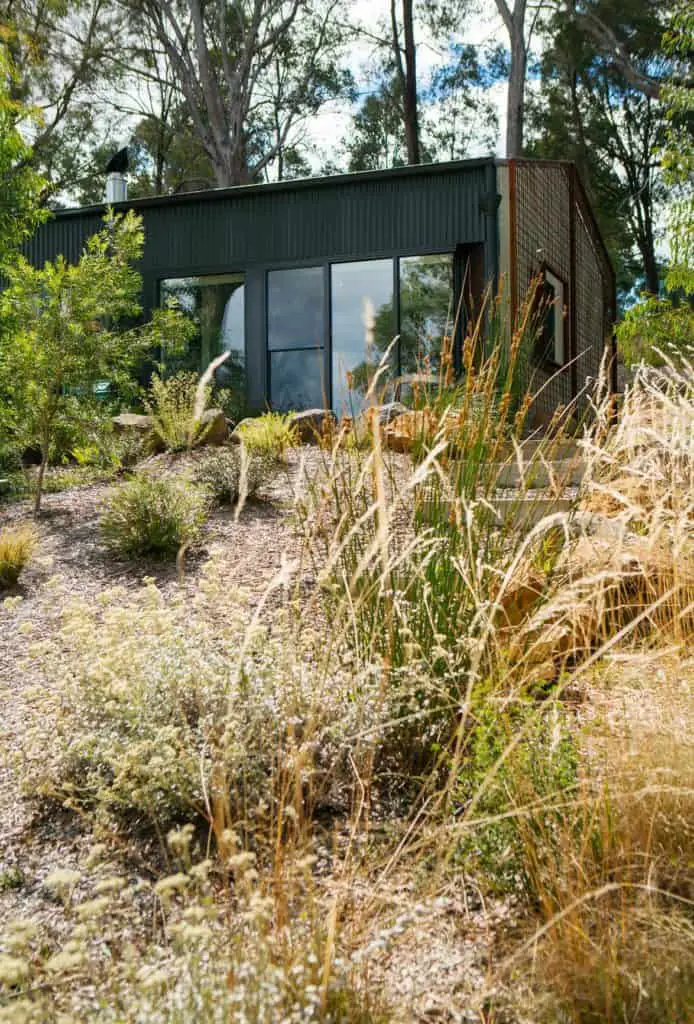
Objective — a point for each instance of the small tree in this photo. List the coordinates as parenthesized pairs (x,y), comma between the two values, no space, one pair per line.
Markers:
(66,334)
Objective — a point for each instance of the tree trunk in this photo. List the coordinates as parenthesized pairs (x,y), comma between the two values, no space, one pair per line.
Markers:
(39,482)
(410,92)
(407,76)
(516,95)
(514,22)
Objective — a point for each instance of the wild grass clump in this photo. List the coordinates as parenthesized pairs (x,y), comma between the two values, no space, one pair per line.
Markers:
(518,769)
(612,876)
(17,545)
(175,406)
(153,516)
(269,435)
(417,555)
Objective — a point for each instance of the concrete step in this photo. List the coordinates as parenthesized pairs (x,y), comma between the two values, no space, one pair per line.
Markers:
(548,449)
(525,509)
(539,473)
(534,473)
(527,512)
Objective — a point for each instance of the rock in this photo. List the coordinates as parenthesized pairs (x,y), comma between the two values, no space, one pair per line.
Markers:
(313,425)
(385,414)
(403,431)
(141,426)
(236,436)
(390,411)
(132,421)
(31,457)
(213,428)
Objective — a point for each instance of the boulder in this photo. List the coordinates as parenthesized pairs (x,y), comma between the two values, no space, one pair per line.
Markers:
(213,427)
(401,433)
(389,411)
(385,414)
(236,436)
(31,457)
(132,421)
(313,425)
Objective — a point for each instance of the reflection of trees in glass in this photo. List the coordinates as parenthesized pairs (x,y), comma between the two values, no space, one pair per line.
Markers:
(358,290)
(216,307)
(426,300)
(426,315)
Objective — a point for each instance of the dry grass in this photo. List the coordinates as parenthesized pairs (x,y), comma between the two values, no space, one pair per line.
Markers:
(17,545)
(426,719)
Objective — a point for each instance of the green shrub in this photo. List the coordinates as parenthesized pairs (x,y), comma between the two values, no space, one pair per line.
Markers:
(270,434)
(154,516)
(17,544)
(520,764)
(130,447)
(172,406)
(197,957)
(232,400)
(226,472)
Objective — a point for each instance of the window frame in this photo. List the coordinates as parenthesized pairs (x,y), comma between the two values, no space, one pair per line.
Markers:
(546,353)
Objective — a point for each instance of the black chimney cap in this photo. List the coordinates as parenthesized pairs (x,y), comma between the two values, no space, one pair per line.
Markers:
(118,164)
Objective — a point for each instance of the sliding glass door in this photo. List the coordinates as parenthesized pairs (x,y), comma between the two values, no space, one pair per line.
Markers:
(370,303)
(363,327)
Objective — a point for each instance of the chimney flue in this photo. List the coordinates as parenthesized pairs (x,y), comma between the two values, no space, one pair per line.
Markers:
(116,188)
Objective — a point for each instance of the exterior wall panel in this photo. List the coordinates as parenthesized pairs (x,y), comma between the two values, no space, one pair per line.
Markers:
(346,218)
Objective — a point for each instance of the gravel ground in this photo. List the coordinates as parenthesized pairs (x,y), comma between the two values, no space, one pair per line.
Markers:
(253,548)
(442,957)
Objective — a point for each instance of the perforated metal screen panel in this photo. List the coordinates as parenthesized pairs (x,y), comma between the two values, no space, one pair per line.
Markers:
(553,228)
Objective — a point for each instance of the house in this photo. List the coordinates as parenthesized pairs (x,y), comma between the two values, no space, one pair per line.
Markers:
(307,282)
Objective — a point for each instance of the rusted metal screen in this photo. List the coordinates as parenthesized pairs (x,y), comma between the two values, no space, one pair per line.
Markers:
(553,228)
(595,298)
(542,235)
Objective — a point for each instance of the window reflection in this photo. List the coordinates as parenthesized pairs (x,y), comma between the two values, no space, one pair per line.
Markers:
(426,310)
(362,328)
(295,308)
(216,304)
(296,380)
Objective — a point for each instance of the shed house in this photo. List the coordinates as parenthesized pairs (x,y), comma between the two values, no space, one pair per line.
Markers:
(307,282)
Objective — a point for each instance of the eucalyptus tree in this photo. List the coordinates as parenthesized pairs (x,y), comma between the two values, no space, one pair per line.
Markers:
(251,72)
(63,53)
(589,110)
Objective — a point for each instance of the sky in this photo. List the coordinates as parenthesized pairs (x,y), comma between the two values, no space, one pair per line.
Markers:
(332,123)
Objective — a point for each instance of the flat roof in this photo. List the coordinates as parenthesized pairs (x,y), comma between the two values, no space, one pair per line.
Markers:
(290,185)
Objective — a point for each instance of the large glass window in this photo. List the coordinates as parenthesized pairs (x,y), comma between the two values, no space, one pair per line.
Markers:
(296,379)
(362,328)
(426,311)
(295,338)
(295,308)
(216,305)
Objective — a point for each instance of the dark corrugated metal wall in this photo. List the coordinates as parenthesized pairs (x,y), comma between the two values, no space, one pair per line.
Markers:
(351,218)
(413,210)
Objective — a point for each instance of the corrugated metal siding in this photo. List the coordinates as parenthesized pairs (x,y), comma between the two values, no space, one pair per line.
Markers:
(352,219)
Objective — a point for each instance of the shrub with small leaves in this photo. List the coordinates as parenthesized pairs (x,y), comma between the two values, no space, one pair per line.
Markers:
(206,711)
(17,544)
(156,517)
(230,472)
